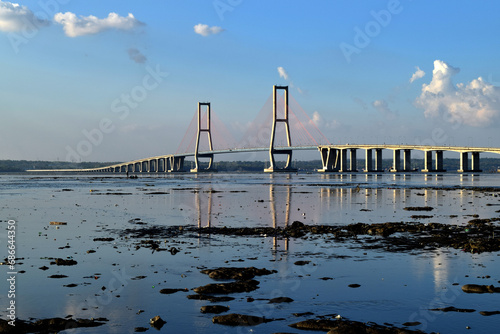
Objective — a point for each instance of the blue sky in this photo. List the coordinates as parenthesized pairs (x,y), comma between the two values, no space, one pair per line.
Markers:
(416,72)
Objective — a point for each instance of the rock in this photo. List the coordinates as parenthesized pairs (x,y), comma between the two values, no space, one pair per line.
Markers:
(488,313)
(453,309)
(235,319)
(157,322)
(278,300)
(170,291)
(301,263)
(475,288)
(214,309)
(412,323)
(227,288)
(48,325)
(104,239)
(237,273)
(341,326)
(43,268)
(57,276)
(58,223)
(418,208)
(63,262)
(213,299)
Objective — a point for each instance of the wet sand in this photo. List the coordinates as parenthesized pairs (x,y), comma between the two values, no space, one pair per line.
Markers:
(125,241)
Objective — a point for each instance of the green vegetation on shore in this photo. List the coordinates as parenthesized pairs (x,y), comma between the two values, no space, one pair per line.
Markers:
(19,166)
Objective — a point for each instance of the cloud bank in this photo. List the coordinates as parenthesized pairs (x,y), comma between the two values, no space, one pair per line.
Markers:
(417,75)
(14,17)
(88,25)
(476,103)
(205,30)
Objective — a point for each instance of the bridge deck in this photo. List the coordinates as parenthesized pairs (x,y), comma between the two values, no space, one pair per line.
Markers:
(112,168)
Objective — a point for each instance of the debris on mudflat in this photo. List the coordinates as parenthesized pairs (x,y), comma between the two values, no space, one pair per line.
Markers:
(157,322)
(418,208)
(63,262)
(476,288)
(453,309)
(236,273)
(348,326)
(235,319)
(48,325)
(214,309)
(213,299)
(58,223)
(227,288)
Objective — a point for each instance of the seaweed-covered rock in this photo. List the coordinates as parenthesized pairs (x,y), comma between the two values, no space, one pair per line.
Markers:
(235,319)
(236,273)
(476,288)
(214,309)
(227,288)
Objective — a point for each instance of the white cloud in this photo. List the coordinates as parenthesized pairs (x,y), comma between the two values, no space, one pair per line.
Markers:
(14,17)
(87,25)
(318,121)
(383,107)
(205,30)
(282,72)
(417,75)
(136,55)
(476,103)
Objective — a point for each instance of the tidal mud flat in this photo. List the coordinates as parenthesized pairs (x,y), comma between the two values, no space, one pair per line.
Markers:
(255,253)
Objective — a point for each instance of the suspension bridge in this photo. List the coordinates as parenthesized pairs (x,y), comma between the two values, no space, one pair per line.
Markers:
(276,139)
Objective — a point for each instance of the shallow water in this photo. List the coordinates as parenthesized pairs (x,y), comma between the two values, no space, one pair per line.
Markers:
(395,287)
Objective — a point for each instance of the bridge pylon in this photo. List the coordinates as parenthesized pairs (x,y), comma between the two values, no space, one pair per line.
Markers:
(284,120)
(209,134)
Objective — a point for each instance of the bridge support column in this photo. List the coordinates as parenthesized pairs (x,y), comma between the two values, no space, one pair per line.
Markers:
(396,161)
(464,162)
(328,159)
(176,164)
(353,161)
(407,161)
(378,160)
(368,160)
(439,161)
(284,120)
(427,162)
(475,162)
(343,160)
(209,133)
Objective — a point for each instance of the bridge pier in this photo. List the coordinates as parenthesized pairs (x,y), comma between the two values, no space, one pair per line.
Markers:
(396,165)
(284,120)
(209,134)
(329,157)
(464,162)
(176,164)
(369,160)
(428,162)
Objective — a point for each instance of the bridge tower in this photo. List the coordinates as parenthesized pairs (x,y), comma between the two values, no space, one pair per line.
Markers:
(284,120)
(209,133)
